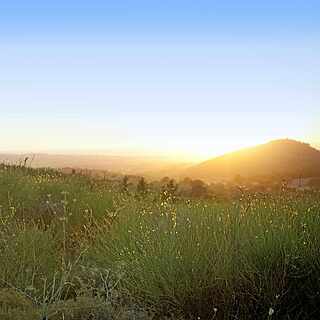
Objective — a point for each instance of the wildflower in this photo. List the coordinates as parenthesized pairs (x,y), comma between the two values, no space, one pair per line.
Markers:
(30,288)
(271,311)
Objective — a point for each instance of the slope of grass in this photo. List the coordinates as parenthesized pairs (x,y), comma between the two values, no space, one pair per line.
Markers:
(74,248)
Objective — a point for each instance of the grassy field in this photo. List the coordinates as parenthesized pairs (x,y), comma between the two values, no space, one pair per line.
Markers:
(76,248)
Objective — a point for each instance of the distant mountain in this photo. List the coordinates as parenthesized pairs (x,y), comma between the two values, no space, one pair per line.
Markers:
(280,158)
(151,166)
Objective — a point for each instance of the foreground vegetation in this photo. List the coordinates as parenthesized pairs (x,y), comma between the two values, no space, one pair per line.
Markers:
(75,248)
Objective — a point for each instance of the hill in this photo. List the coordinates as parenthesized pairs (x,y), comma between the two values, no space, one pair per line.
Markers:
(279,158)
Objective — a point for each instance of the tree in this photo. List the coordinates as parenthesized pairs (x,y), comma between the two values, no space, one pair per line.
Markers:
(199,189)
(125,184)
(142,187)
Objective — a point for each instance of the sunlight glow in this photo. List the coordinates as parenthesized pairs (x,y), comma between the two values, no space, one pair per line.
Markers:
(186,136)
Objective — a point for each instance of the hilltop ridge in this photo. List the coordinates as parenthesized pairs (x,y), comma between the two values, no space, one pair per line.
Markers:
(284,158)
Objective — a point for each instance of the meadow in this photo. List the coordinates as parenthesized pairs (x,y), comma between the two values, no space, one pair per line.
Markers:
(72,247)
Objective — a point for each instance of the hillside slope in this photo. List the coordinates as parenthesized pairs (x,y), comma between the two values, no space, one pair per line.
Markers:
(281,158)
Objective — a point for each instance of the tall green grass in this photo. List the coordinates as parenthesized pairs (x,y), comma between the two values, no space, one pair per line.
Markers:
(77,248)
(242,260)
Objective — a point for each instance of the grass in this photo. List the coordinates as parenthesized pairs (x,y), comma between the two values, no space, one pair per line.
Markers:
(75,248)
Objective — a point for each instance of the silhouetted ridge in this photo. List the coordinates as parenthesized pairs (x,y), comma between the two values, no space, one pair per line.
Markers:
(284,158)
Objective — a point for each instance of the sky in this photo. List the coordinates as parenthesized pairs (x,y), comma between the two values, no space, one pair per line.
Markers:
(181,79)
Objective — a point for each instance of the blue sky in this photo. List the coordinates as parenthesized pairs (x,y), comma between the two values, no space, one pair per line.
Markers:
(180,78)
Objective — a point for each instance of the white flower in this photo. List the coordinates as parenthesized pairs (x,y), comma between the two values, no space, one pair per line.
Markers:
(271,312)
